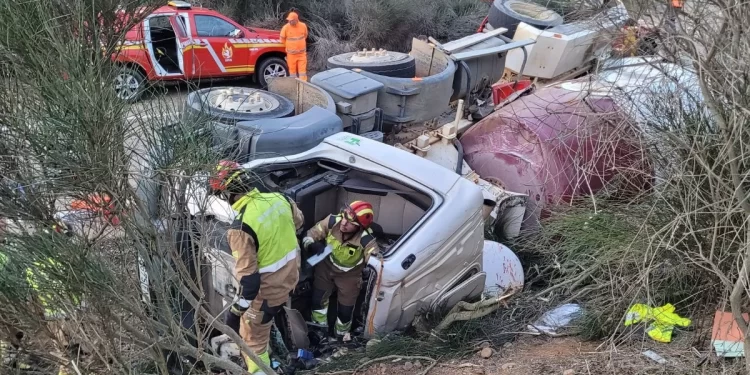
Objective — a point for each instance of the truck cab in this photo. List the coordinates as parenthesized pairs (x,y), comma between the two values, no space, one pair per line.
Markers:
(182,42)
(429,225)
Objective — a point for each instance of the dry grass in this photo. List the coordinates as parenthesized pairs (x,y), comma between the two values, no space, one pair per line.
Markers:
(344,26)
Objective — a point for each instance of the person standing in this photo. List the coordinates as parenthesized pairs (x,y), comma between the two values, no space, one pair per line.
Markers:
(294,37)
(673,10)
(352,243)
(263,240)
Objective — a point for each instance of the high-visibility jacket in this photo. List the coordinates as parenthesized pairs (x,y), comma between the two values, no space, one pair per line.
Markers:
(677,3)
(662,320)
(269,219)
(294,38)
(39,280)
(345,255)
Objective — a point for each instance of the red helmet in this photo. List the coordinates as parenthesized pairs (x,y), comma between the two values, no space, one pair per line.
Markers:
(362,213)
(224,170)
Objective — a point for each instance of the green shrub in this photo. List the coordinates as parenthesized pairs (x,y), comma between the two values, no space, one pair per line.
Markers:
(606,261)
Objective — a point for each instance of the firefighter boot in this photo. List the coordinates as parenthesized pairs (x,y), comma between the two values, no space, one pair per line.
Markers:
(253,368)
(320,309)
(344,321)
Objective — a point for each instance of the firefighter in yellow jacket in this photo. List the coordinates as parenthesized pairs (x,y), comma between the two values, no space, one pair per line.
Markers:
(53,302)
(352,242)
(263,241)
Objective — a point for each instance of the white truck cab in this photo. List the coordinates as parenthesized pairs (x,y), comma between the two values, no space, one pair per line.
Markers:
(429,225)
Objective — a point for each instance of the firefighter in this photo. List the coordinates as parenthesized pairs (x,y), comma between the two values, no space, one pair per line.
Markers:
(59,324)
(294,38)
(263,240)
(48,296)
(352,242)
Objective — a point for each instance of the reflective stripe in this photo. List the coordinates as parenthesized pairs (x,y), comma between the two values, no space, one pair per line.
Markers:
(342,328)
(346,269)
(320,316)
(252,367)
(295,51)
(296,38)
(273,267)
(214,56)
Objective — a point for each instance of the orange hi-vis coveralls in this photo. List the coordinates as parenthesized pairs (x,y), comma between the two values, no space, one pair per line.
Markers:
(294,39)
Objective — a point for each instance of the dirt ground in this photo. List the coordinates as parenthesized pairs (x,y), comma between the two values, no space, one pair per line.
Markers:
(534,355)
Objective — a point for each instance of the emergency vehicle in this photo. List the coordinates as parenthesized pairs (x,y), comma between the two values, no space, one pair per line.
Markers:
(182,42)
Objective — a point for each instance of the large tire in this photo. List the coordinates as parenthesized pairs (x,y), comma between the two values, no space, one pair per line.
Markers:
(509,13)
(129,84)
(229,105)
(385,63)
(271,67)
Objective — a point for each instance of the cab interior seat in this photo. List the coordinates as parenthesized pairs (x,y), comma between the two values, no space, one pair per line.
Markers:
(165,43)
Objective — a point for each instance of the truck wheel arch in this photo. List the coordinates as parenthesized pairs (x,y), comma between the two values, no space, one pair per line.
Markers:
(140,74)
(261,62)
(132,65)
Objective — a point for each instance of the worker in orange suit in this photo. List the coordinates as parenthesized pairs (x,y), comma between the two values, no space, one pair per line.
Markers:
(674,9)
(294,38)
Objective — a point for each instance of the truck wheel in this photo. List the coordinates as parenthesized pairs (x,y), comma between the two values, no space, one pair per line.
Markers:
(269,68)
(509,13)
(382,62)
(129,84)
(229,105)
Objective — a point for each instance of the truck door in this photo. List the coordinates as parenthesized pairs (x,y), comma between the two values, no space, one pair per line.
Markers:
(162,47)
(185,44)
(225,44)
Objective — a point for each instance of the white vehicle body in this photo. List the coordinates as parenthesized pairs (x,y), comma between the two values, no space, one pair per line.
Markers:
(436,259)
(566,47)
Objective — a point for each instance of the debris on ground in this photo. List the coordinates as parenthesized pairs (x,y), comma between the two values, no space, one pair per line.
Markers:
(655,357)
(485,353)
(371,345)
(726,336)
(467,311)
(664,320)
(552,321)
(569,372)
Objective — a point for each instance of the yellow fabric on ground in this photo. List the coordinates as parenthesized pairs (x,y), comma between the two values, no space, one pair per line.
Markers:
(663,320)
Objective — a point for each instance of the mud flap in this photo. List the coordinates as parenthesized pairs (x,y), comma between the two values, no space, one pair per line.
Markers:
(296,328)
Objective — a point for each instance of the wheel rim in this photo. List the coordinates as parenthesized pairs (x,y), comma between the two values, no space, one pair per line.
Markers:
(126,86)
(240,99)
(274,70)
(376,56)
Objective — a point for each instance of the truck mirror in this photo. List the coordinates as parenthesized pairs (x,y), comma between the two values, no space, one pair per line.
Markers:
(236,33)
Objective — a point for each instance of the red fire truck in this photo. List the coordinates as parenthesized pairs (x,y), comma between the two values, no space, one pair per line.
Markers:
(182,42)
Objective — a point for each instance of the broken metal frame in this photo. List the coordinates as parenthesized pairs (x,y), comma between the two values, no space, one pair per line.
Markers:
(510,45)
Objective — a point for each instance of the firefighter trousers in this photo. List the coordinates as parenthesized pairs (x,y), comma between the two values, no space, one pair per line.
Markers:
(297,65)
(347,283)
(255,325)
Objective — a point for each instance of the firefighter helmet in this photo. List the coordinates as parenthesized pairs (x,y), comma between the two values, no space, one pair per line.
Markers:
(360,212)
(232,179)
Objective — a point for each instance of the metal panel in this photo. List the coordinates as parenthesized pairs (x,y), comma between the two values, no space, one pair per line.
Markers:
(490,51)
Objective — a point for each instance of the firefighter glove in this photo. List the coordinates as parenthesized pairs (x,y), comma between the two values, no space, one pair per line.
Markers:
(238,308)
(317,248)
